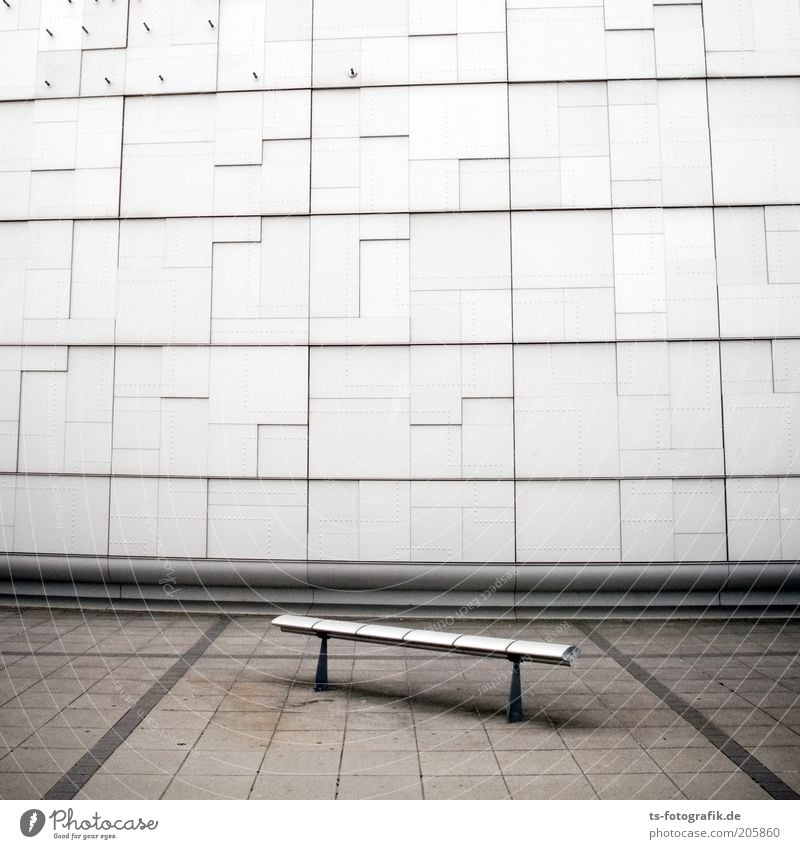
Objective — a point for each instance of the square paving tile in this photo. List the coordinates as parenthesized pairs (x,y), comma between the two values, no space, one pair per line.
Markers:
(289,760)
(615,761)
(655,786)
(550,787)
(465,787)
(14,735)
(681,736)
(375,762)
(459,763)
(293,719)
(221,763)
(531,738)
(371,721)
(382,739)
(294,787)
(379,787)
(30,785)
(217,738)
(210,787)
(105,786)
(778,758)
(55,737)
(539,762)
(717,785)
(597,738)
(163,738)
(127,761)
(453,740)
(692,759)
(315,737)
(39,759)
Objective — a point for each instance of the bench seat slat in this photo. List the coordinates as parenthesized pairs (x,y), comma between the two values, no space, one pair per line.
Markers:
(430,639)
(543,652)
(296,624)
(475,644)
(336,628)
(381,633)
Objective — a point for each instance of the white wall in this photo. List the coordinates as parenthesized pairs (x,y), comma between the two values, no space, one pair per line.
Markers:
(527,286)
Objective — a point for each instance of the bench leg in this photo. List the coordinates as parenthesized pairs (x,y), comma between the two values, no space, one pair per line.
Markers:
(515,695)
(321,681)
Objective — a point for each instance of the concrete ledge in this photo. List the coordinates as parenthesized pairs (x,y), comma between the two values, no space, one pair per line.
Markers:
(400,588)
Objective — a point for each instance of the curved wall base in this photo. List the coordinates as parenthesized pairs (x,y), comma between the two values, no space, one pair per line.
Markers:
(401,589)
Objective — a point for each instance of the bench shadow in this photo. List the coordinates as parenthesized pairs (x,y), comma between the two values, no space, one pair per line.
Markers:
(481,708)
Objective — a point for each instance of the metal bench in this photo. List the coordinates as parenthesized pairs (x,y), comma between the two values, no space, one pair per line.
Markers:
(516,651)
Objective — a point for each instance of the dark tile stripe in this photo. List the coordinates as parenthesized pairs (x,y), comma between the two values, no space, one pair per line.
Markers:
(749,764)
(75,778)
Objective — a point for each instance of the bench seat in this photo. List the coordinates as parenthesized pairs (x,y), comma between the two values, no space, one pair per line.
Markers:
(516,651)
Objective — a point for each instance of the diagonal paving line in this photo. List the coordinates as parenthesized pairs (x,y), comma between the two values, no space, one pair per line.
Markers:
(748,763)
(80,773)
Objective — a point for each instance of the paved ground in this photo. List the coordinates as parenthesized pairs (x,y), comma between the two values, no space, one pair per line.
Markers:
(106,706)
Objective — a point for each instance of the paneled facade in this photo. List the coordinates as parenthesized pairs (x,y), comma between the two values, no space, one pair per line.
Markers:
(411,281)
